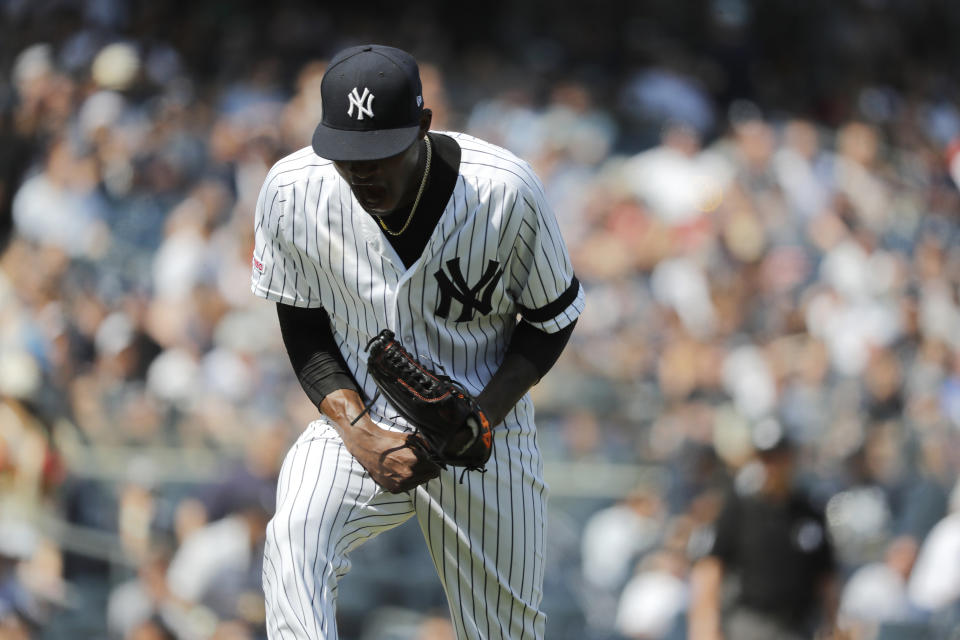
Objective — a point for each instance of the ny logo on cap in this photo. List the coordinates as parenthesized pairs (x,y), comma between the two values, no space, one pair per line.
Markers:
(357,100)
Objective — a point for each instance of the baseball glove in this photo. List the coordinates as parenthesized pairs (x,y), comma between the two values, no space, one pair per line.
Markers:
(452,428)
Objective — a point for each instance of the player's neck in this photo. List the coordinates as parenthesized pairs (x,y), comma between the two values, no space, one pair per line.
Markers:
(405,213)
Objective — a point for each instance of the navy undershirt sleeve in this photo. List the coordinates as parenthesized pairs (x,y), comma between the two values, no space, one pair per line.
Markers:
(538,347)
(313,352)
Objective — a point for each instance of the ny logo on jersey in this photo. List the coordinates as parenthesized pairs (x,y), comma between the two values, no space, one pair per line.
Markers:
(455,287)
(357,100)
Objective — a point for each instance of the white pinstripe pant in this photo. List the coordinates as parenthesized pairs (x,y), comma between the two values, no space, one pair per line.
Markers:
(486,536)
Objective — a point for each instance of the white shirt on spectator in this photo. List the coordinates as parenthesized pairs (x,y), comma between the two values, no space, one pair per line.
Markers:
(650,604)
(874,593)
(935,581)
(612,540)
(223,544)
(51,215)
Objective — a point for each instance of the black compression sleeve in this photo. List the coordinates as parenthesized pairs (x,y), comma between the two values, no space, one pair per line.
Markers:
(540,348)
(313,352)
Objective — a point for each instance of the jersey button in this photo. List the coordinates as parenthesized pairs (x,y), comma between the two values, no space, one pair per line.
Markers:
(408,339)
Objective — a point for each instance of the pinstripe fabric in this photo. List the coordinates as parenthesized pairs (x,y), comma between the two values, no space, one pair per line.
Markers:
(496,251)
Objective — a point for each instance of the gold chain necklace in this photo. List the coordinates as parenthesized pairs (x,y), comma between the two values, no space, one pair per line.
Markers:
(423,184)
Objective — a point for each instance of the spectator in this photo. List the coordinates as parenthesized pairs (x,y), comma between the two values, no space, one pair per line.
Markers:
(144,598)
(616,537)
(613,541)
(934,585)
(876,593)
(224,554)
(774,542)
(654,600)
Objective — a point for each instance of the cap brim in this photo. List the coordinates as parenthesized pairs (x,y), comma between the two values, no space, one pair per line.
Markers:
(343,145)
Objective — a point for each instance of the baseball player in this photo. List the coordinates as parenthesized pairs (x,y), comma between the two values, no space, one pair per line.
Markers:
(448,242)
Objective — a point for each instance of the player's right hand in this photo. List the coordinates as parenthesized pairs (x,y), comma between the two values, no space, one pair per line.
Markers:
(392,459)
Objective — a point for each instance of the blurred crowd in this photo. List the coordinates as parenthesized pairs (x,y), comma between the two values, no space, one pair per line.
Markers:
(750,254)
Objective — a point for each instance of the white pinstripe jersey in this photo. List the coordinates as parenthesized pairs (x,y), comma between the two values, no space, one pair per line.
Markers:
(496,252)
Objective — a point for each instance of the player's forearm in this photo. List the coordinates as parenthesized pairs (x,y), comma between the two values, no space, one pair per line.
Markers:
(830,595)
(704,613)
(361,436)
(343,407)
(530,354)
(510,382)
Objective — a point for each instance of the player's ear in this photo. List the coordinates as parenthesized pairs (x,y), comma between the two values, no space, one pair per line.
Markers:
(426,117)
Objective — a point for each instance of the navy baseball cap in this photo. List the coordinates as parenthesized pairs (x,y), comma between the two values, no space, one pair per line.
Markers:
(372,101)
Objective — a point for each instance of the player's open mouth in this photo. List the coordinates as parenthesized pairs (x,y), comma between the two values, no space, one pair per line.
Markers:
(369,194)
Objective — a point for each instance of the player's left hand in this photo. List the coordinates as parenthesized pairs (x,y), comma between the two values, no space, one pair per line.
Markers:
(451,428)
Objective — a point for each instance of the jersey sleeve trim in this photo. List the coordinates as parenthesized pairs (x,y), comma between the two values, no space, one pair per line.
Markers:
(560,313)
(555,308)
